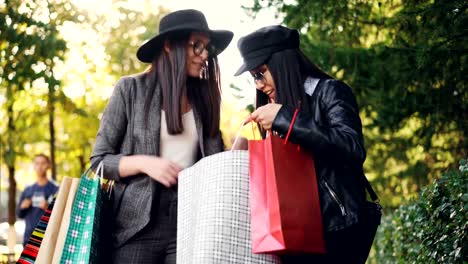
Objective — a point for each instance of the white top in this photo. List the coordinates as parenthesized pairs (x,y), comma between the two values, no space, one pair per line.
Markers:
(181,148)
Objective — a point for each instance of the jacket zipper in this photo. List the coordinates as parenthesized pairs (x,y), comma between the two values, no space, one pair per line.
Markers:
(335,197)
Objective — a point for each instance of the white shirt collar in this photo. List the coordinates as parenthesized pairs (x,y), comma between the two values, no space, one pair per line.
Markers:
(310,84)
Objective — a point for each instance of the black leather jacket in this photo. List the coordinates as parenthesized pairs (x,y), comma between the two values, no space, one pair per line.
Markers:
(333,134)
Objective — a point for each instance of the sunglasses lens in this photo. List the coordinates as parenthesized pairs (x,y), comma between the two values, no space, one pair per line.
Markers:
(258,76)
(198,48)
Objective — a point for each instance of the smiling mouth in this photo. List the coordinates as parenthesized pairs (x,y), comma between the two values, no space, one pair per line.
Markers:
(268,92)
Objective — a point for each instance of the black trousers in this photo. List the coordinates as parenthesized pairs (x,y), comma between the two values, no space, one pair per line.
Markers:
(156,243)
(350,245)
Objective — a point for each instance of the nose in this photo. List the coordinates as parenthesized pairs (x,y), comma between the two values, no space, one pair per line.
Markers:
(259,85)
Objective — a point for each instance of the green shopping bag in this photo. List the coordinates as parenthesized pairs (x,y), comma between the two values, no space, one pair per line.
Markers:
(86,237)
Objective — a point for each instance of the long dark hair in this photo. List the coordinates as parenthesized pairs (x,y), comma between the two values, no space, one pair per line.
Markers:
(289,69)
(169,71)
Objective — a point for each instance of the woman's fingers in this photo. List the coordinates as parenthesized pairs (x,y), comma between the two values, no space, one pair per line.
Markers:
(164,182)
(168,179)
(264,115)
(164,171)
(174,168)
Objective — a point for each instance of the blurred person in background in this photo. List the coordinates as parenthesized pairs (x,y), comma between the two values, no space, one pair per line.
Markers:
(36,198)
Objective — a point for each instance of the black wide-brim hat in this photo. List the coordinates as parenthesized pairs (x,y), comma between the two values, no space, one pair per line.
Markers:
(257,47)
(178,21)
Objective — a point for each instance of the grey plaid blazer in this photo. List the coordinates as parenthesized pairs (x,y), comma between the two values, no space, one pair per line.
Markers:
(123,132)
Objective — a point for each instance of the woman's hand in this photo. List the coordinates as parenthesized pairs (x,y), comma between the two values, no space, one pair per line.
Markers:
(265,115)
(162,170)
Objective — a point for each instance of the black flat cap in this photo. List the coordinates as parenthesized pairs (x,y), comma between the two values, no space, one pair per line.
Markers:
(257,47)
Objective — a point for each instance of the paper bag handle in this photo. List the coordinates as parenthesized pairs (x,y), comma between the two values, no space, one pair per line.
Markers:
(238,133)
(291,125)
(253,132)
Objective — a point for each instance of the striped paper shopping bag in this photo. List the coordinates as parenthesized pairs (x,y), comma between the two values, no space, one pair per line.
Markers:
(31,248)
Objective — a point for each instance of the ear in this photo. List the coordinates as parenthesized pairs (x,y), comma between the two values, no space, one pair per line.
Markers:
(167,46)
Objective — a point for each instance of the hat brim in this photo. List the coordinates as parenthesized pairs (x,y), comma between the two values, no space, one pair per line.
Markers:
(220,39)
(252,63)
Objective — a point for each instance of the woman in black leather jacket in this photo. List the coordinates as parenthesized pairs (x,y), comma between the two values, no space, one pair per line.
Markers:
(327,125)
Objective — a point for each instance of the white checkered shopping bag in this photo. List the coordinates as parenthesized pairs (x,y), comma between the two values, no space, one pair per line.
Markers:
(83,241)
(214,214)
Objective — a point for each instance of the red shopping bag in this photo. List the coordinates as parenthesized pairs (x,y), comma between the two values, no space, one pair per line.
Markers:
(284,198)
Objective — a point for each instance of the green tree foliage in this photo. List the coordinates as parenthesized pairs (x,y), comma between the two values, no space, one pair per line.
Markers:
(30,46)
(407,64)
(430,229)
(121,32)
(124,37)
(67,84)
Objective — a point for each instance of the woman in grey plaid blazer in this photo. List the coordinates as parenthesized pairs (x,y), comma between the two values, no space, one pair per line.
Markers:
(155,124)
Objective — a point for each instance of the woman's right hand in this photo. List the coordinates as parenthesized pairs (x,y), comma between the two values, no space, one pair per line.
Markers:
(162,170)
(265,115)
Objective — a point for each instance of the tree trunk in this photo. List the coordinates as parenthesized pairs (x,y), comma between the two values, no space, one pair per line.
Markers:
(10,158)
(82,162)
(52,132)
(11,195)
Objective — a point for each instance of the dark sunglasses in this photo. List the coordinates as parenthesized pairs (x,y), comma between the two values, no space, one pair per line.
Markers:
(258,76)
(199,47)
